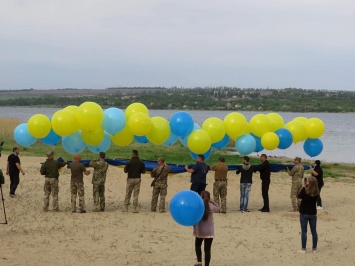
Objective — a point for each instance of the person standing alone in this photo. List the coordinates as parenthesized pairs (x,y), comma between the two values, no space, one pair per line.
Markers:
(50,170)
(134,168)
(98,181)
(265,172)
(13,170)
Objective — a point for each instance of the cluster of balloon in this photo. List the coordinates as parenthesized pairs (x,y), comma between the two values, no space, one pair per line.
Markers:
(88,125)
(187,208)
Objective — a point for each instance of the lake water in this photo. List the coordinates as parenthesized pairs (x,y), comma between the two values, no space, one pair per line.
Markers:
(337,139)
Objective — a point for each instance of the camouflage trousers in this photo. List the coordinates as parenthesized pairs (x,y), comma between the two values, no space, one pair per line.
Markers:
(77,188)
(51,187)
(99,197)
(220,194)
(160,188)
(295,189)
(133,185)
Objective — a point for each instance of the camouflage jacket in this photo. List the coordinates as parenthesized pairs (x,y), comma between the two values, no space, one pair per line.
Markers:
(100,169)
(296,172)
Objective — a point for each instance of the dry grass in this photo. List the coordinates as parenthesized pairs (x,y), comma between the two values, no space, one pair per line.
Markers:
(7,127)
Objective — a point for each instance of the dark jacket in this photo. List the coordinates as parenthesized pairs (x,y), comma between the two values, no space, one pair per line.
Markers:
(135,167)
(265,170)
(50,168)
(246,171)
(308,203)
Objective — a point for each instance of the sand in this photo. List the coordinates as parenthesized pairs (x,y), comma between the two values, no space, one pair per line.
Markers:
(33,237)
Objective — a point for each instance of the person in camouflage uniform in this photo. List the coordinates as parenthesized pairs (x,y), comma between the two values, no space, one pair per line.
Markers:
(77,183)
(220,184)
(160,186)
(98,181)
(297,175)
(50,170)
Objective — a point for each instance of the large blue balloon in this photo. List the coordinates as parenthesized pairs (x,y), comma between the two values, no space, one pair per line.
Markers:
(141,139)
(245,144)
(187,208)
(114,120)
(51,139)
(222,143)
(313,147)
(171,140)
(181,123)
(22,135)
(73,143)
(103,146)
(207,154)
(259,146)
(285,137)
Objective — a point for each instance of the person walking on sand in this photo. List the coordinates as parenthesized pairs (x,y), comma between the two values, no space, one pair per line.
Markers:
(134,168)
(77,183)
(98,181)
(198,174)
(160,185)
(204,230)
(297,175)
(308,211)
(246,181)
(265,173)
(50,170)
(220,183)
(317,172)
(13,169)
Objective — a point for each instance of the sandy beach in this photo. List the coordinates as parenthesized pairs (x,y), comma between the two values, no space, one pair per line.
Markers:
(33,237)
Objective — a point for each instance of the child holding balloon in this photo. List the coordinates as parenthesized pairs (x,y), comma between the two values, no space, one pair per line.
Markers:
(204,230)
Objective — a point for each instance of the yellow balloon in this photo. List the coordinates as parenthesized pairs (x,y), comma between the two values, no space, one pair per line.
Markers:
(297,131)
(236,125)
(123,138)
(140,124)
(199,141)
(215,128)
(314,128)
(135,108)
(64,123)
(39,126)
(276,120)
(270,141)
(300,119)
(90,115)
(160,131)
(72,108)
(260,124)
(93,137)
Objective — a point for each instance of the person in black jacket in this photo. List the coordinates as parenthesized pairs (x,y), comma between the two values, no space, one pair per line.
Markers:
(317,172)
(308,211)
(265,172)
(134,168)
(246,180)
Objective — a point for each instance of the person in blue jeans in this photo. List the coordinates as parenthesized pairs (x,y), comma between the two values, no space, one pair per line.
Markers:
(246,180)
(308,211)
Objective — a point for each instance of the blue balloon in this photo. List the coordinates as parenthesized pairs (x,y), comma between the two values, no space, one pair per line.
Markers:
(207,154)
(171,140)
(187,208)
(22,135)
(114,120)
(285,137)
(245,144)
(103,146)
(259,146)
(141,139)
(51,139)
(73,143)
(222,143)
(181,123)
(313,147)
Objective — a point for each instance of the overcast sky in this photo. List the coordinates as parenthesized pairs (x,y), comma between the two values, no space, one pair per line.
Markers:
(49,44)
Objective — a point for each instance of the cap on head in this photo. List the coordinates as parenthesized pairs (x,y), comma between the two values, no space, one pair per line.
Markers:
(298,159)
(50,153)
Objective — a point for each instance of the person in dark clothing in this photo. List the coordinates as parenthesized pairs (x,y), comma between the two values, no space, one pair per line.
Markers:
(13,170)
(265,172)
(317,172)
(134,168)
(308,211)
(198,174)
(246,180)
